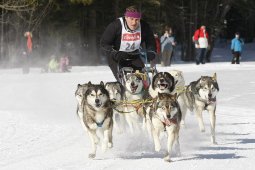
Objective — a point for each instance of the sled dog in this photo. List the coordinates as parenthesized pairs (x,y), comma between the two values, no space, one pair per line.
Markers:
(97,113)
(116,90)
(134,93)
(164,115)
(179,81)
(79,95)
(162,82)
(200,95)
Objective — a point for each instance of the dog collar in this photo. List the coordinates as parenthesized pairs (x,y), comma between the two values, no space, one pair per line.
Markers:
(169,122)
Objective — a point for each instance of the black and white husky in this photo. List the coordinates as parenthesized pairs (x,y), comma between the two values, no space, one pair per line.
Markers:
(164,115)
(200,95)
(162,82)
(97,113)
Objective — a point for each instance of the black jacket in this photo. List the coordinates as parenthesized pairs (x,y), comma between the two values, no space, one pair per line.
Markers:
(111,37)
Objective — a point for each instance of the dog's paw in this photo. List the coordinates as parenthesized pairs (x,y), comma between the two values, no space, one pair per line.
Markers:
(92,155)
(110,145)
(157,148)
(167,159)
(202,130)
(214,142)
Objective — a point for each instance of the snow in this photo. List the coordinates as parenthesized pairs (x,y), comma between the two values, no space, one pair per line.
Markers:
(39,128)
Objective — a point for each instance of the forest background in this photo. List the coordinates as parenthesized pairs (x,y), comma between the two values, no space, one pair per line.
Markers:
(74,27)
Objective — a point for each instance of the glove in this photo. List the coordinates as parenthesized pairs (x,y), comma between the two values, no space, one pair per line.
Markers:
(151,56)
(118,55)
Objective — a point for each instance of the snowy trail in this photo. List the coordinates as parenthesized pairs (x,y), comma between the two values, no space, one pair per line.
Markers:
(39,128)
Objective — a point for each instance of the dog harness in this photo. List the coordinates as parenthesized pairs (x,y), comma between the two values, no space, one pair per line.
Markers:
(165,121)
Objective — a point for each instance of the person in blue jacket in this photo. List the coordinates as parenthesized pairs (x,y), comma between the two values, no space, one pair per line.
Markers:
(236,48)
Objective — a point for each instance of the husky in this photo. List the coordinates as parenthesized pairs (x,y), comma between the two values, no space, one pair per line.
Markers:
(200,95)
(162,82)
(134,93)
(164,115)
(97,113)
(116,90)
(179,81)
(79,95)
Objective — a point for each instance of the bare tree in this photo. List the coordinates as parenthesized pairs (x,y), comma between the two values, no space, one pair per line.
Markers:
(18,17)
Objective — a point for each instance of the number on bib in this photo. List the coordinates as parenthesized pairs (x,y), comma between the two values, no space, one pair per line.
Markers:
(130,46)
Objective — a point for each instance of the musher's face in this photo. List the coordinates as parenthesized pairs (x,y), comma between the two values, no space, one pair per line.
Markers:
(133,23)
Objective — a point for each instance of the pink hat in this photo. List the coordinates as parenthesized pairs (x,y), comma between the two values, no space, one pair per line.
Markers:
(133,14)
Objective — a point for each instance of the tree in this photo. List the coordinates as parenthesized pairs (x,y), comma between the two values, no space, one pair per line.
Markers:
(18,17)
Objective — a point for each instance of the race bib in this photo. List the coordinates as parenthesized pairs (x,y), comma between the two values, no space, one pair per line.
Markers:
(130,41)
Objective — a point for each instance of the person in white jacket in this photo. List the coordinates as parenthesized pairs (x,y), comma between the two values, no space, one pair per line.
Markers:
(201,44)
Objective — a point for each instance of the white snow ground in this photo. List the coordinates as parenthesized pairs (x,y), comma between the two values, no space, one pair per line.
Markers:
(39,129)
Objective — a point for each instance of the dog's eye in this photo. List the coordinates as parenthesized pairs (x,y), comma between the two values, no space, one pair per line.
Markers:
(163,108)
(205,88)
(92,95)
(213,89)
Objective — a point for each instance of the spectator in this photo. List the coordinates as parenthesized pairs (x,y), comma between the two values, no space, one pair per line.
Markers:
(201,44)
(236,48)
(53,65)
(167,46)
(64,64)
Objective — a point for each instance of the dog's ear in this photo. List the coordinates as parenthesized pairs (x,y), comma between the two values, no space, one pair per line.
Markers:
(102,83)
(118,85)
(78,85)
(202,79)
(214,77)
(160,96)
(171,78)
(181,73)
(174,96)
(195,85)
(89,83)
(153,81)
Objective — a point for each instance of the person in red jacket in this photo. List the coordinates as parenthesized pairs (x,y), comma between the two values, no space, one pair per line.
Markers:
(201,44)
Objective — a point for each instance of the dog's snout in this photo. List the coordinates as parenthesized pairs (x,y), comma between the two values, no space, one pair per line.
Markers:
(161,80)
(132,83)
(168,116)
(97,100)
(210,95)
